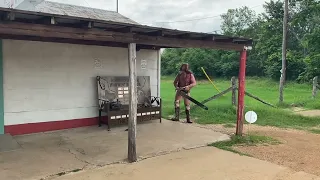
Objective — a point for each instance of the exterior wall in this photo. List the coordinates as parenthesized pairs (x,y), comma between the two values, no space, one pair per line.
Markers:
(1,92)
(46,82)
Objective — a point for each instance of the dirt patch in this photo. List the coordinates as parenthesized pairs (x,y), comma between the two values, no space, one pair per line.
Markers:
(309,113)
(299,149)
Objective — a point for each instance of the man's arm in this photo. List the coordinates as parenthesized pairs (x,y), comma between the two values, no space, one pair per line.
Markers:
(176,81)
(193,82)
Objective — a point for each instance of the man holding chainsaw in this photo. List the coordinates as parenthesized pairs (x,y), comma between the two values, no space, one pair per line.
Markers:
(184,81)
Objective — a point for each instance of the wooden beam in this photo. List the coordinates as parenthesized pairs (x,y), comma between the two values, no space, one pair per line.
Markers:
(183,35)
(37,30)
(46,20)
(76,41)
(155,33)
(258,99)
(124,29)
(216,96)
(10,16)
(132,122)
(208,37)
(86,24)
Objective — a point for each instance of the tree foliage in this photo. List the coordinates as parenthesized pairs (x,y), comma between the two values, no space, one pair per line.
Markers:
(303,46)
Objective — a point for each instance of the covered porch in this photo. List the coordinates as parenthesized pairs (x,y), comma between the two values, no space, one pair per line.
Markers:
(46,27)
(57,153)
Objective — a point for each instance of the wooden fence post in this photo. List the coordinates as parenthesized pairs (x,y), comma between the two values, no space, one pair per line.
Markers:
(315,87)
(234,89)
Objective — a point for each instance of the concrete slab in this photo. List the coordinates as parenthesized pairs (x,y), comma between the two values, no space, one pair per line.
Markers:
(205,163)
(46,154)
(8,143)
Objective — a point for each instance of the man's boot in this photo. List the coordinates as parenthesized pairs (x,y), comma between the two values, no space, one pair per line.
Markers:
(177,114)
(188,116)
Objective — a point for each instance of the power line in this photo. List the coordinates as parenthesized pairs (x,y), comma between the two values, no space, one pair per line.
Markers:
(197,19)
(87,3)
(191,19)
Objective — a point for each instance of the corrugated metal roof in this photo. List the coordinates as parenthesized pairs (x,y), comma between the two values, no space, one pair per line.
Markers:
(80,11)
(78,19)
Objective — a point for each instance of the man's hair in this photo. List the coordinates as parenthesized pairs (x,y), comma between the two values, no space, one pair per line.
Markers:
(187,68)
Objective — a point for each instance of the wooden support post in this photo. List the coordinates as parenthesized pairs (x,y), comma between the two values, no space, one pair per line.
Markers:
(315,87)
(241,91)
(132,122)
(234,89)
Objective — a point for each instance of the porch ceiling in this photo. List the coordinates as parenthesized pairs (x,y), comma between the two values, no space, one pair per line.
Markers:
(29,25)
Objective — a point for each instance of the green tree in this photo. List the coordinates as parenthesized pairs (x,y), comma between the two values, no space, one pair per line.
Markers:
(303,46)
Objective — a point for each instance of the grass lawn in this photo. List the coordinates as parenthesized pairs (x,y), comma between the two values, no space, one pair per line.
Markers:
(222,112)
(247,140)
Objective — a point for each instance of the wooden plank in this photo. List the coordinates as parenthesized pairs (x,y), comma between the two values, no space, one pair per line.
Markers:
(52,31)
(234,89)
(132,122)
(258,99)
(217,95)
(211,98)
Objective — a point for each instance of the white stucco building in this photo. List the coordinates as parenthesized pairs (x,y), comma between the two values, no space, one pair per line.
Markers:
(51,53)
(50,86)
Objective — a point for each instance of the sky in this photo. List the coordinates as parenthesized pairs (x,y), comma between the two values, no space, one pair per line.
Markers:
(191,15)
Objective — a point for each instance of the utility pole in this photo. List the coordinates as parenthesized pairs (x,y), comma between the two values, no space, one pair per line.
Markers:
(284,51)
(117,6)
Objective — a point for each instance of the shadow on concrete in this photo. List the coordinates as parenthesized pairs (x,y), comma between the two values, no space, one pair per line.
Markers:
(45,154)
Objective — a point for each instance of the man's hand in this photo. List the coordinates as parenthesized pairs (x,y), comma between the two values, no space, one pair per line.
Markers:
(187,88)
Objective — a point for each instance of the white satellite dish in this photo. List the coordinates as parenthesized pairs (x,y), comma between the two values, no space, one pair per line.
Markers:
(251,117)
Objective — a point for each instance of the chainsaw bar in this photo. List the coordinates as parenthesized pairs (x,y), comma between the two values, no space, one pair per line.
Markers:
(184,94)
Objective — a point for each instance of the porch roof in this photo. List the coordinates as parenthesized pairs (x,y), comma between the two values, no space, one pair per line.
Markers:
(40,26)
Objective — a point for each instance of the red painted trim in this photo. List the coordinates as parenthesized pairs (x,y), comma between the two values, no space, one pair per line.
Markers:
(29,128)
(241,91)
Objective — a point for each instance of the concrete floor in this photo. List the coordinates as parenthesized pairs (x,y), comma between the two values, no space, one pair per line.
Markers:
(45,154)
(206,163)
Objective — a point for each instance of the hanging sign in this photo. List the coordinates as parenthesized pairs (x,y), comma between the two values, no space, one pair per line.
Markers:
(97,64)
(143,64)
(251,117)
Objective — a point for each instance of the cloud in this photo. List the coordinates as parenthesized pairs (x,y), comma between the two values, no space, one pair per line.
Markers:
(174,14)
